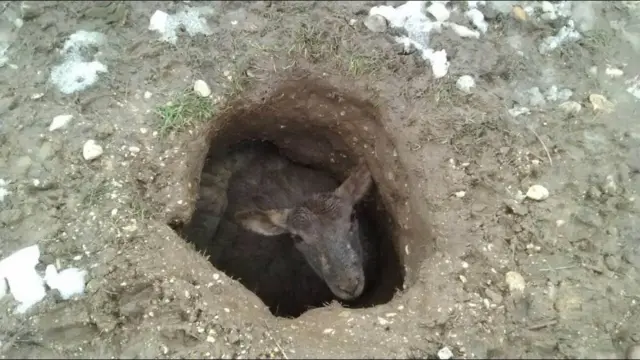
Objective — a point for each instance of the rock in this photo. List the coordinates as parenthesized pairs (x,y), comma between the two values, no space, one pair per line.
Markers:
(465,83)
(537,192)
(515,282)
(519,13)
(376,23)
(59,122)
(570,107)
(600,103)
(91,150)
(445,353)
(201,88)
(633,352)
(611,262)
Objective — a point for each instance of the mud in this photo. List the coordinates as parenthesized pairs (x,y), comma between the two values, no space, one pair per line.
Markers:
(447,165)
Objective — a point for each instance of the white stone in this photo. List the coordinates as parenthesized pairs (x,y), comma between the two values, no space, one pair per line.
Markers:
(445,353)
(59,122)
(514,281)
(465,83)
(91,150)
(147,94)
(537,192)
(201,88)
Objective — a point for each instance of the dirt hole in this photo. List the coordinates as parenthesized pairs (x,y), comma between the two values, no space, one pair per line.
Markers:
(314,125)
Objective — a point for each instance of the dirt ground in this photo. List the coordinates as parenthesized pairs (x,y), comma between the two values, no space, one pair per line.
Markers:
(464,157)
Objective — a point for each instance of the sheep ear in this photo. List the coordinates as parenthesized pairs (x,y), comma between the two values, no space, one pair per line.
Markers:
(356,185)
(269,222)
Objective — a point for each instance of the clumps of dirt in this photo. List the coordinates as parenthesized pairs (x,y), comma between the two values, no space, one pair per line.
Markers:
(322,127)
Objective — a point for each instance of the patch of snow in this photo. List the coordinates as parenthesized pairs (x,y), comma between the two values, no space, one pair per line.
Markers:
(477,19)
(75,74)
(412,18)
(465,83)
(3,191)
(474,4)
(19,277)
(68,282)
(634,87)
(191,19)
(26,286)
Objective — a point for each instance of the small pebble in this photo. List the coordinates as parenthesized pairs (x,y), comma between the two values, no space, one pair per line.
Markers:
(445,353)
(376,23)
(201,88)
(537,192)
(514,281)
(91,150)
(59,122)
(147,94)
(465,83)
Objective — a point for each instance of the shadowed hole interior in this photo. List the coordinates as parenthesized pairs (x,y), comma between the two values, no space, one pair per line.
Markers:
(314,126)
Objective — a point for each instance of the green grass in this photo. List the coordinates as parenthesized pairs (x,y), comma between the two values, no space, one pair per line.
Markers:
(184,111)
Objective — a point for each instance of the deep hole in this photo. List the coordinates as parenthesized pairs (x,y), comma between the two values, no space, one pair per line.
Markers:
(278,274)
(315,125)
